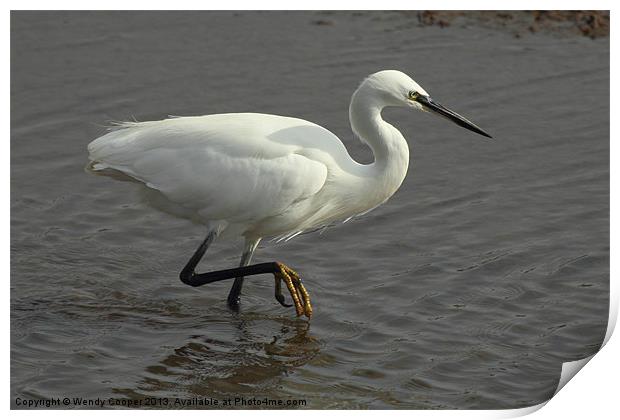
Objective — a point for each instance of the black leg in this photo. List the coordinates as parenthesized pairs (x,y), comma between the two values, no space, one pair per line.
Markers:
(235,290)
(233,295)
(188,271)
(280,271)
(196,280)
(189,276)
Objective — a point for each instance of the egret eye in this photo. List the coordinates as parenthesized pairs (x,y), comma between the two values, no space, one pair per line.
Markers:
(413,95)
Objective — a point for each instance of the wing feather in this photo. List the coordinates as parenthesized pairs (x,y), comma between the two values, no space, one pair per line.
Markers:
(218,166)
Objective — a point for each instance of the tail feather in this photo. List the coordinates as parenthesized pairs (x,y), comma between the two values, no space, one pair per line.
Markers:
(108,153)
(101,169)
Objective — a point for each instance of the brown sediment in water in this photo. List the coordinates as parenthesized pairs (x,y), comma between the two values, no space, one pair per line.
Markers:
(590,23)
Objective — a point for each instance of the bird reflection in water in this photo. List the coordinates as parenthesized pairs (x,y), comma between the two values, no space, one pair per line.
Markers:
(209,367)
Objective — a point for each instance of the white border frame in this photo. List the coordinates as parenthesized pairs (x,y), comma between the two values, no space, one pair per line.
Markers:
(593,394)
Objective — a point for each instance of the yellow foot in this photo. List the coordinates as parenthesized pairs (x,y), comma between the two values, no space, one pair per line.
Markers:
(299,294)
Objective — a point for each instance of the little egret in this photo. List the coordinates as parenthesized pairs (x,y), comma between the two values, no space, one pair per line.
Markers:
(258,175)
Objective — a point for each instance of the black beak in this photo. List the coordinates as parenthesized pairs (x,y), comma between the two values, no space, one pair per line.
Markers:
(433,106)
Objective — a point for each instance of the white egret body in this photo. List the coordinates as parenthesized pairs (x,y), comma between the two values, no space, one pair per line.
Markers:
(258,175)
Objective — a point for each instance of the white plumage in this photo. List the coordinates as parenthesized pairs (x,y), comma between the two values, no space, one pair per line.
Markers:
(258,175)
(261,175)
(221,170)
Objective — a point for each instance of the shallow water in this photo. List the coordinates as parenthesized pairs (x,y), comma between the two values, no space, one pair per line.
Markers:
(486,270)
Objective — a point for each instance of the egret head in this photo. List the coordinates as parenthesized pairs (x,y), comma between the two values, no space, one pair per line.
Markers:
(395,88)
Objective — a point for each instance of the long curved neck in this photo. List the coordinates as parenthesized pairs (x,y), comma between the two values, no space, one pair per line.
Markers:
(388,145)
